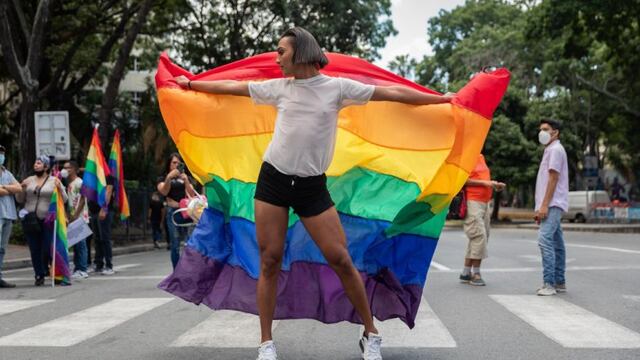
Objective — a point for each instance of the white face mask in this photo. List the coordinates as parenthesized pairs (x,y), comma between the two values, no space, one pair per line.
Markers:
(544,137)
(64,173)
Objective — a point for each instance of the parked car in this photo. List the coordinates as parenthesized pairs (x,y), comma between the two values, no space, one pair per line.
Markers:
(581,201)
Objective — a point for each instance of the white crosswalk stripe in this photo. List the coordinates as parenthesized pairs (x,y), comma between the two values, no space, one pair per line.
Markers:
(567,324)
(82,325)
(224,329)
(632,297)
(563,322)
(9,306)
(429,331)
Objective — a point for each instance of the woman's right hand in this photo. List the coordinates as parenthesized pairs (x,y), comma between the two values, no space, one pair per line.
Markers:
(173,174)
(182,81)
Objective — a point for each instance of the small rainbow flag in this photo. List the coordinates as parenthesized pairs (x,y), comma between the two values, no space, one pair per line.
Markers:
(94,180)
(58,216)
(115,167)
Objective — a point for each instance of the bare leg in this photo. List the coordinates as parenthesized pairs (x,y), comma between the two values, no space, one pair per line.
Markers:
(326,230)
(271,230)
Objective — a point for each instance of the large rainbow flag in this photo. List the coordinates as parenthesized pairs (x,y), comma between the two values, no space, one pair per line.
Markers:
(116,169)
(94,180)
(395,170)
(57,218)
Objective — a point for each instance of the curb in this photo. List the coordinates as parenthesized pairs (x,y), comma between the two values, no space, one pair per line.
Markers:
(122,250)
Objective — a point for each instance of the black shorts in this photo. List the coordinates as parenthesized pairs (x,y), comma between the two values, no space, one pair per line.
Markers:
(308,196)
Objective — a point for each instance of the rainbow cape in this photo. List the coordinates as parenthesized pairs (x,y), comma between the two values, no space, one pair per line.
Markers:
(94,180)
(115,168)
(57,218)
(395,170)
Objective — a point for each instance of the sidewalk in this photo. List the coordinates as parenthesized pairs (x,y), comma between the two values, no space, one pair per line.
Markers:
(18,256)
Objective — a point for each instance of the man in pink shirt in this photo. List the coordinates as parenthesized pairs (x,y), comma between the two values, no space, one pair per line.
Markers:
(552,199)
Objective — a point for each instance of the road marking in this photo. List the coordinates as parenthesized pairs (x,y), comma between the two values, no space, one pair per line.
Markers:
(535,269)
(82,325)
(567,324)
(429,331)
(224,329)
(632,297)
(606,248)
(439,266)
(125,266)
(9,306)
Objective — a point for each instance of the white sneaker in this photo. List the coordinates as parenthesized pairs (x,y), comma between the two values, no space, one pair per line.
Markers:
(547,290)
(107,271)
(77,275)
(84,274)
(370,347)
(267,351)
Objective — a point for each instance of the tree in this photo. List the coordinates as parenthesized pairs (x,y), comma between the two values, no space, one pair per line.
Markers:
(22,48)
(214,33)
(404,66)
(117,72)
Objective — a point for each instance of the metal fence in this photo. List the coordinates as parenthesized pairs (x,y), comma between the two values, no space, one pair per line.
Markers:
(137,227)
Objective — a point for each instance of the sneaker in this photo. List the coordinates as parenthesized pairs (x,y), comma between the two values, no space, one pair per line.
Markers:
(546,290)
(77,275)
(267,351)
(370,347)
(477,280)
(4,284)
(108,271)
(561,288)
(465,278)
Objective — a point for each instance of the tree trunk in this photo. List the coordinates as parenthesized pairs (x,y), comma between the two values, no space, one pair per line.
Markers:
(26,135)
(117,73)
(496,205)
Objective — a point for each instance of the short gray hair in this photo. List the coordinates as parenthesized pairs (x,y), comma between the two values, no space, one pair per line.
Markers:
(305,48)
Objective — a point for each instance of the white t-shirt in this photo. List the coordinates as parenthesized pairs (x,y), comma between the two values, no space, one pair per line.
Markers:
(305,132)
(73,198)
(554,158)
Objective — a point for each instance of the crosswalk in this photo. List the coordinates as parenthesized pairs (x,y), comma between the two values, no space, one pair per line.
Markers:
(563,322)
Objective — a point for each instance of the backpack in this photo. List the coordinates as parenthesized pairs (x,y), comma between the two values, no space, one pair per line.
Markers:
(458,206)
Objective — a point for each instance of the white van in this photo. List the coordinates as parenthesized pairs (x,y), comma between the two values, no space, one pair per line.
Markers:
(581,201)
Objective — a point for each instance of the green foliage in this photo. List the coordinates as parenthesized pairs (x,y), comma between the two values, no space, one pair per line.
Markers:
(575,61)
(214,33)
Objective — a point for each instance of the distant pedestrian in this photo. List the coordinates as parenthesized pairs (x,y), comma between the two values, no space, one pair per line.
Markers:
(77,210)
(479,192)
(36,194)
(175,186)
(552,199)
(8,187)
(156,216)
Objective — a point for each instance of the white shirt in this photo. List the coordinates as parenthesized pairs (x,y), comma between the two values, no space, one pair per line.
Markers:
(305,132)
(554,158)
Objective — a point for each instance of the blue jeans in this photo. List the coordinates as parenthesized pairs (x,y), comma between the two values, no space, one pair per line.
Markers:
(176,235)
(39,246)
(80,256)
(5,233)
(552,249)
(156,231)
(102,235)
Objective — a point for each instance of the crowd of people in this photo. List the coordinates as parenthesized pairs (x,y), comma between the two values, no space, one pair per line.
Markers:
(32,197)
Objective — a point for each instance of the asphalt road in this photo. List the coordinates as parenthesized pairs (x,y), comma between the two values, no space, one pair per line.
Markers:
(126,317)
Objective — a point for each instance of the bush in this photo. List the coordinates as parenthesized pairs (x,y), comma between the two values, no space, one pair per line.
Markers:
(17,235)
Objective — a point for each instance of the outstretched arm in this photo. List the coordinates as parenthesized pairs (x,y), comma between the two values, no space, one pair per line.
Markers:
(408,96)
(228,87)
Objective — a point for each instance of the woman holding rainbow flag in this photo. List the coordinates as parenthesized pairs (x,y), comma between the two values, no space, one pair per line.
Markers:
(37,191)
(292,174)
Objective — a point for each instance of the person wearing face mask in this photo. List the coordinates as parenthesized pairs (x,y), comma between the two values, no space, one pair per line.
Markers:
(36,195)
(77,209)
(552,199)
(8,187)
